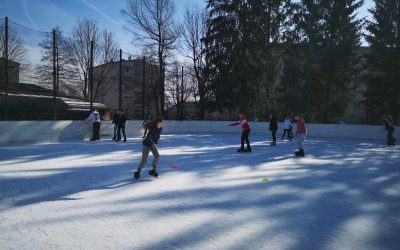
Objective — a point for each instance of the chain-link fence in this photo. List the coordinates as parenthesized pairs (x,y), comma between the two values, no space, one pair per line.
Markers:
(45,75)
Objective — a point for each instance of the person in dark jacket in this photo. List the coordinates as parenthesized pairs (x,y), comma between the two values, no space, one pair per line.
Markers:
(150,144)
(389,127)
(273,127)
(115,121)
(121,125)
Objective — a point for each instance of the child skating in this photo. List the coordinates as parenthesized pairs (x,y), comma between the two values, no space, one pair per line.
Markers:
(150,144)
(300,134)
(287,125)
(245,134)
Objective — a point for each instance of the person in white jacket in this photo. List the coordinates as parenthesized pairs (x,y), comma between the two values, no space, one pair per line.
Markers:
(94,117)
(287,125)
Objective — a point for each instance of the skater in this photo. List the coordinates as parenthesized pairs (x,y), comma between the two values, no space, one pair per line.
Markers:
(245,133)
(115,121)
(94,117)
(150,144)
(148,120)
(300,134)
(291,128)
(121,125)
(388,122)
(287,127)
(273,127)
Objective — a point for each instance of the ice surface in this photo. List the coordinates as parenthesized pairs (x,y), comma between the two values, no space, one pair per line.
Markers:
(344,195)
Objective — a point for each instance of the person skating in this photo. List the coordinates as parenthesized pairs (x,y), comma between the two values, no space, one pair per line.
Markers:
(273,127)
(94,117)
(150,144)
(287,124)
(148,120)
(291,129)
(388,122)
(300,134)
(121,125)
(245,134)
(115,121)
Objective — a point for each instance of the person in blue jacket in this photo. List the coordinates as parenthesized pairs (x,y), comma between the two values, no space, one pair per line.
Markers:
(150,144)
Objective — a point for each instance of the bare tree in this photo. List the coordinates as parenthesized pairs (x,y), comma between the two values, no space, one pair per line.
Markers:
(152,23)
(194,30)
(16,50)
(67,73)
(107,53)
(179,87)
(83,33)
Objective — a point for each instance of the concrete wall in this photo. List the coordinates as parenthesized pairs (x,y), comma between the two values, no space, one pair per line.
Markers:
(13,132)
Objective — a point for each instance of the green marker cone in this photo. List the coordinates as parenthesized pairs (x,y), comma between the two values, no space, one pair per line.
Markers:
(265,179)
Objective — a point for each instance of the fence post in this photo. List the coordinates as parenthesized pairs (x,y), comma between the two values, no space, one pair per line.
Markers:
(6,69)
(182,96)
(120,81)
(144,87)
(54,76)
(91,75)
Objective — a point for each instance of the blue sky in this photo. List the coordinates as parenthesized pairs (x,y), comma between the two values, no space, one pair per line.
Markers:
(45,14)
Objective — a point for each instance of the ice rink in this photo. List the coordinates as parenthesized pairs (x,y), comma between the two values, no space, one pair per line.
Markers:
(345,194)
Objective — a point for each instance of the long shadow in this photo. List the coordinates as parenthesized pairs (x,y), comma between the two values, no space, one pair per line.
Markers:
(312,208)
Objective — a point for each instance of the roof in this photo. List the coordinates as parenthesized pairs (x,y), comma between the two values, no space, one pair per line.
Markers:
(10,62)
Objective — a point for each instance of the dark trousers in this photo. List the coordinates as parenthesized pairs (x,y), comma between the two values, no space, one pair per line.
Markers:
(96,131)
(273,135)
(390,138)
(145,155)
(289,134)
(121,126)
(245,137)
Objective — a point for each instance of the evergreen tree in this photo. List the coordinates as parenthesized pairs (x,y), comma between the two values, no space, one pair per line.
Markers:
(242,51)
(332,34)
(383,94)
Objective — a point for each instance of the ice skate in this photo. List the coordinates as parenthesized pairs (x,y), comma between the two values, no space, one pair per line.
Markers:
(240,150)
(300,153)
(136,175)
(273,143)
(153,173)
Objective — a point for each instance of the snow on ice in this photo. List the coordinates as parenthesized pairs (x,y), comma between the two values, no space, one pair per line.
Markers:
(345,194)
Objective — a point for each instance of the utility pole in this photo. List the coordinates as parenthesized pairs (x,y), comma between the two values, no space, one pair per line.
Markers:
(91,75)
(144,87)
(54,76)
(181,109)
(6,70)
(120,80)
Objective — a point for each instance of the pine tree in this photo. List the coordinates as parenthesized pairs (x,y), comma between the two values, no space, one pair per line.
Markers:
(332,34)
(383,94)
(242,47)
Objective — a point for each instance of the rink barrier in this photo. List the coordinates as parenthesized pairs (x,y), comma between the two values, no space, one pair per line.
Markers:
(15,132)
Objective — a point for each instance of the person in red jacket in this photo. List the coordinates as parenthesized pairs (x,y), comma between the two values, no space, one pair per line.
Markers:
(300,134)
(245,134)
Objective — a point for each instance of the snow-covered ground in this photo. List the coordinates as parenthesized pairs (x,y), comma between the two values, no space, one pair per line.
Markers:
(344,195)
